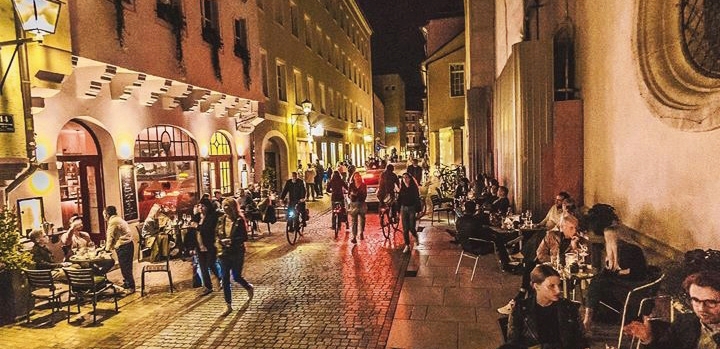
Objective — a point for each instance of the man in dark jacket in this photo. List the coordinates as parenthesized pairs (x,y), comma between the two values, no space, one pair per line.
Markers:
(319,172)
(294,190)
(416,171)
(700,330)
(477,226)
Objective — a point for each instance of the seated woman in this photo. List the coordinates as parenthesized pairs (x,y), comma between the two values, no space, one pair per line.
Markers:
(545,318)
(75,237)
(625,268)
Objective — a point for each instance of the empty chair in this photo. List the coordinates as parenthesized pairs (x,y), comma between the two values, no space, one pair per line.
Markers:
(42,286)
(162,266)
(633,301)
(83,283)
(439,205)
(474,254)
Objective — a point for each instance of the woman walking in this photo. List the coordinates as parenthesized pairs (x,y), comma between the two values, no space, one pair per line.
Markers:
(231,234)
(206,251)
(409,200)
(357,193)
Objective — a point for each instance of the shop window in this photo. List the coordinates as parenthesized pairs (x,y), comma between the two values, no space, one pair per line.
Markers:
(166,171)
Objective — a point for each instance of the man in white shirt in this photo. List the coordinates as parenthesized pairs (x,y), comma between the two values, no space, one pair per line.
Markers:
(553,216)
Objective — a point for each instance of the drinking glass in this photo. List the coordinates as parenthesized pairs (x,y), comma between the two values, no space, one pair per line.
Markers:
(102,244)
(555,261)
(528,214)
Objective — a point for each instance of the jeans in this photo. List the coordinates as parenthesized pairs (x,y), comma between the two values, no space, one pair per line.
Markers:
(206,260)
(233,264)
(407,216)
(358,215)
(125,255)
(310,190)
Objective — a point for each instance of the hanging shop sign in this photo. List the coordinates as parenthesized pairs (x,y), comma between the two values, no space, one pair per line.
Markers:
(6,123)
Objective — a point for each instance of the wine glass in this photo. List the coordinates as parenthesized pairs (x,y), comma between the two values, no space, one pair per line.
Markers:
(102,244)
(528,216)
(583,253)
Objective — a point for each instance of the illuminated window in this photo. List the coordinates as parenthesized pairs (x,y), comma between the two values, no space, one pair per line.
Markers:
(220,174)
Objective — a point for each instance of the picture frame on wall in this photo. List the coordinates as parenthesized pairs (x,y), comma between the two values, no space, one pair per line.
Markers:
(31,214)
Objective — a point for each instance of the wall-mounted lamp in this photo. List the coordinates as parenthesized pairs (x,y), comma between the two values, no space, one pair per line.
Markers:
(125,162)
(306,107)
(44,166)
(358,123)
(39,17)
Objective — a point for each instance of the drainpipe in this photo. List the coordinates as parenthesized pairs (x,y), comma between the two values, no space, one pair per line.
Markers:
(27,114)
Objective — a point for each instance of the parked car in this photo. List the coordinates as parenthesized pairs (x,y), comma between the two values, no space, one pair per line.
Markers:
(372,179)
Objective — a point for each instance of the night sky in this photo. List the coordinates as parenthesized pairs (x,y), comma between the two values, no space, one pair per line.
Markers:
(397,43)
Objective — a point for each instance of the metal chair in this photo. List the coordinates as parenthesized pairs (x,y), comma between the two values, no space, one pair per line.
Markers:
(473,255)
(658,308)
(439,205)
(641,292)
(42,286)
(84,283)
(163,266)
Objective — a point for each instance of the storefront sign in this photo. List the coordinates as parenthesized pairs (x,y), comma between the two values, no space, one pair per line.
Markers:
(391,129)
(245,128)
(6,123)
(128,192)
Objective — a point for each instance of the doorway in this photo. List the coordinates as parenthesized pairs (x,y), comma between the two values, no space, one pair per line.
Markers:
(80,179)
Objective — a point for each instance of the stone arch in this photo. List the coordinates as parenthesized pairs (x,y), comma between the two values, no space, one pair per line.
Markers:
(274,148)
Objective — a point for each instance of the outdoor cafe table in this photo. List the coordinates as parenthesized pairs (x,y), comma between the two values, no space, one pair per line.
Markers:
(583,276)
(99,260)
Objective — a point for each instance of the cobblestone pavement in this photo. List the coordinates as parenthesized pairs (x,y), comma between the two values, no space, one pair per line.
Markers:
(320,293)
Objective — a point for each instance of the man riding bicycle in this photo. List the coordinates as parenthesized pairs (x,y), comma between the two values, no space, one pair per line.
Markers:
(388,186)
(294,190)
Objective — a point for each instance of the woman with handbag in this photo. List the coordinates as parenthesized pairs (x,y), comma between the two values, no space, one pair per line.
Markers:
(409,199)
(357,208)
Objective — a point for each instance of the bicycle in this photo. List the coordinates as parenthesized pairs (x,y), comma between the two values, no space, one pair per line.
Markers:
(389,218)
(295,224)
(339,215)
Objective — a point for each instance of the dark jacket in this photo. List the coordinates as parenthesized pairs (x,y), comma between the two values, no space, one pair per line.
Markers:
(357,194)
(416,172)
(386,184)
(409,196)
(335,187)
(683,333)
(43,258)
(523,328)
(238,235)
(294,191)
(206,229)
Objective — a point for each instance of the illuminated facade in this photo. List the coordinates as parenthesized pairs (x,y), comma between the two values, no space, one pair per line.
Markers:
(128,119)
(323,57)
(391,90)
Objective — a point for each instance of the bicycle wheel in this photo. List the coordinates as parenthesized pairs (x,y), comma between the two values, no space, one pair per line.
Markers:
(300,229)
(395,220)
(385,223)
(291,231)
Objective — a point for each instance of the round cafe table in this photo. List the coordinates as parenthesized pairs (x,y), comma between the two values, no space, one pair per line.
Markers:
(99,260)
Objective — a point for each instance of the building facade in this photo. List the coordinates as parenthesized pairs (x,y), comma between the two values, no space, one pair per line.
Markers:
(391,90)
(128,119)
(444,77)
(323,57)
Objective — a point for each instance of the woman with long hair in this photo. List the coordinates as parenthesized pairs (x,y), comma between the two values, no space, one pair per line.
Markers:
(206,251)
(357,193)
(231,235)
(409,200)
(337,187)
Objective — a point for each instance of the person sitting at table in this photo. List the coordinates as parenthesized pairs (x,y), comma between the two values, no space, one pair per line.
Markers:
(75,237)
(697,330)
(41,255)
(546,319)
(558,243)
(502,203)
(473,225)
(553,216)
(155,232)
(625,268)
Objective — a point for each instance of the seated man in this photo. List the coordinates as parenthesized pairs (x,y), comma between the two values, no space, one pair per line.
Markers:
(155,231)
(75,237)
(41,255)
(502,203)
(558,243)
(476,226)
(698,330)
(553,216)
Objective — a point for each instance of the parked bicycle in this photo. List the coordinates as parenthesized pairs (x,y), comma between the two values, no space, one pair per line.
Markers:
(295,224)
(339,215)
(389,217)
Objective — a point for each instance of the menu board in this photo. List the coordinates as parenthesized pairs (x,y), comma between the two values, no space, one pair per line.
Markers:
(128,193)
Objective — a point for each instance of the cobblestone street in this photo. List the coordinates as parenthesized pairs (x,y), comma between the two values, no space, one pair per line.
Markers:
(320,293)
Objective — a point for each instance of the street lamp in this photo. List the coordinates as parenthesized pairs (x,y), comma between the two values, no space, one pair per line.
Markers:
(358,123)
(39,17)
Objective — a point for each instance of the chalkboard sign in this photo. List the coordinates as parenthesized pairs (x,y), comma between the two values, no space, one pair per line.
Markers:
(128,192)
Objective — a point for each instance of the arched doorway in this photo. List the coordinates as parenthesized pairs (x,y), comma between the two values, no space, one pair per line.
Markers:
(218,171)
(273,173)
(166,170)
(80,178)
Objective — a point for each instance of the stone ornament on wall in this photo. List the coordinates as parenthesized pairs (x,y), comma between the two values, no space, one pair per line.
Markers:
(682,93)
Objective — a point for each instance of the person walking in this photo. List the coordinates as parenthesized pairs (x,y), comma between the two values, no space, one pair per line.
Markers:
(319,174)
(119,238)
(206,250)
(231,234)
(409,200)
(310,183)
(337,187)
(357,193)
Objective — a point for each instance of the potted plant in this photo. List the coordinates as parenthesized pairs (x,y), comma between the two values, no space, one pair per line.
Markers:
(14,293)
(269,179)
